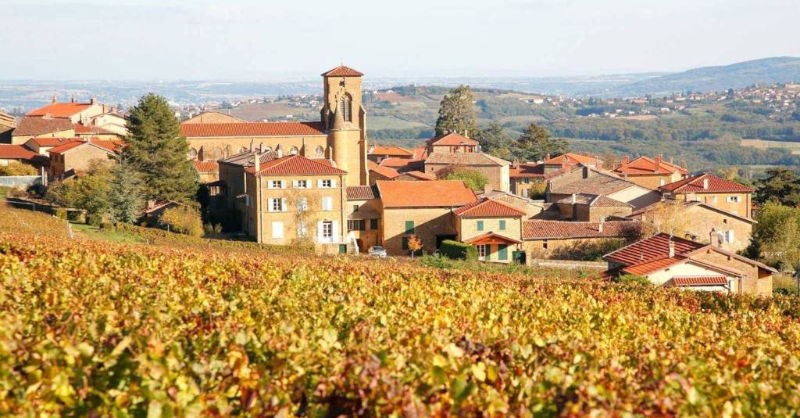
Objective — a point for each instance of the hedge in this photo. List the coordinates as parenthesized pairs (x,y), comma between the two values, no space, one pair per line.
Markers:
(458,250)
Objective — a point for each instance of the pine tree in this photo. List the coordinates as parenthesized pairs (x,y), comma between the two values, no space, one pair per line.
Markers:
(156,150)
(536,143)
(456,113)
(126,197)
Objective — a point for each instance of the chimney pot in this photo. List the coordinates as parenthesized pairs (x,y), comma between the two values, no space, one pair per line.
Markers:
(671,247)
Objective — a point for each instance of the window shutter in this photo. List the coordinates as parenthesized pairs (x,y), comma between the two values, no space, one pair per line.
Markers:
(335,236)
(270,207)
(319,231)
(729,235)
(333,182)
(295,183)
(283,205)
(319,183)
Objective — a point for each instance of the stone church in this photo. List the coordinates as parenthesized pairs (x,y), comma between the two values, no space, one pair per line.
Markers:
(339,136)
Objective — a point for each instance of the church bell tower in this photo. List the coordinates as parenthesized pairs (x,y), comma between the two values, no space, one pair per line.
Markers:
(346,122)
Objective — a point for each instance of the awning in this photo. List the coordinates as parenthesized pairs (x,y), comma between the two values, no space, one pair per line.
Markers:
(490,238)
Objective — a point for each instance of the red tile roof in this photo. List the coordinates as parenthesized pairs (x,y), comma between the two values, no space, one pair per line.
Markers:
(697,184)
(491,238)
(451,139)
(644,166)
(420,153)
(36,126)
(387,172)
(15,152)
(206,166)
(570,158)
(47,141)
(536,229)
(437,193)
(699,281)
(295,165)
(361,192)
(402,164)
(391,150)
(653,248)
(81,129)
(60,110)
(342,71)
(110,146)
(419,175)
(648,267)
(487,208)
(199,130)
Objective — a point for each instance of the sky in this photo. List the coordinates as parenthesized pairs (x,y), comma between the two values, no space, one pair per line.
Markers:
(269,40)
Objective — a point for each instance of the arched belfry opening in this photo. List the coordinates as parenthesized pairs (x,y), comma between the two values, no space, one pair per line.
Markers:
(347,107)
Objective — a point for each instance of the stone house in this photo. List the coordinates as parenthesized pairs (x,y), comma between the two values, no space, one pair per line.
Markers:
(494,227)
(30,127)
(379,153)
(379,172)
(15,153)
(495,170)
(293,198)
(651,173)
(590,181)
(712,190)
(363,216)
(567,239)
(76,156)
(419,208)
(673,261)
(592,208)
(696,221)
(451,143)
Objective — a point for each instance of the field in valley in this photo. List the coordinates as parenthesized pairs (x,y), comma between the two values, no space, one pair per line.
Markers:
(98,328)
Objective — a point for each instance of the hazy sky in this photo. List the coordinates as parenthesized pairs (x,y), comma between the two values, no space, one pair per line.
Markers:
(273,40)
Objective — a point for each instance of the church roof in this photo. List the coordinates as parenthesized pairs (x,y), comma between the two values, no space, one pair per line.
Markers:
(342,71)
(196,130)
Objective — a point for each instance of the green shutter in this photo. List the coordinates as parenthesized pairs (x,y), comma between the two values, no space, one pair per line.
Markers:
(405,243)
(488,252)
(409,227)
(502,224)
(502,252)
(480,225)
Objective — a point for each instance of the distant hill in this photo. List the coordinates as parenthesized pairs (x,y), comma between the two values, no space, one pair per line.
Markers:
(719,78)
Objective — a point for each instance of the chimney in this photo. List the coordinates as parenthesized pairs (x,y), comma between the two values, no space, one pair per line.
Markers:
(547,156)
(257,162)
(54,99)
(705,183)
(671,247)
(658,160)
(279,151)
(93,100)
(585,172)
(672,160)
(713,238)
(600,225)
(72,99)
(625,160)
(487,188)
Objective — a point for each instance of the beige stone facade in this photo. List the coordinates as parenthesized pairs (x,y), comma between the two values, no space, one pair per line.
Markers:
(428,224)
(77,160)
(739,204)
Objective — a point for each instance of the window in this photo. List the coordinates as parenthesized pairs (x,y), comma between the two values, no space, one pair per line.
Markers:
(277,230)
(355,208)
(277,204)
(405,243)
(327,229)
(544,244)
(276,184)
(481,252)
(734,199)
(327,203)
(410,227)
(346,104)
(373,224)
(326,184)
(293,151)
(356,225)
(319,151)
(479,226)
(301,184)
(502,225)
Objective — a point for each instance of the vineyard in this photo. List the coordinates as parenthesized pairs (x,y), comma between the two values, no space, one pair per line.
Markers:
(91,328)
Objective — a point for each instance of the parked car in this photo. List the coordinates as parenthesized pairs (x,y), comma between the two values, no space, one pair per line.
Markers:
(377,251)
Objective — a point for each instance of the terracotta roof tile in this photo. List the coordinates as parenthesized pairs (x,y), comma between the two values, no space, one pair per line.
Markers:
(36,126)
(82,130)
(491,238)
(402,164)
(437,193)
(387,172)
(361,192)
(648,267)
(206,166)
(60,110)
(597,184)
(487,208)
(653,248)
(697,184)
(685,281)
(110,146)
(342,71)
(465,158)
(419,175)
(391,150)
(295,165)
(644,165)
(420,153)
(200,130)
(47,141)
(15,152)
(537,229)
(572,159)
(451,139)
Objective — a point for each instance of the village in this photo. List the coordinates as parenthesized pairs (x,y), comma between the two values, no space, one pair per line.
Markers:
(325,182)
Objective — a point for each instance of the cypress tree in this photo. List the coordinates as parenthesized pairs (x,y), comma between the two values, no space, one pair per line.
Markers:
(157,151)
(457,114)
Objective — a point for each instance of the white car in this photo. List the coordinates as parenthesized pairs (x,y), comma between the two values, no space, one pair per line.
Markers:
(377,251)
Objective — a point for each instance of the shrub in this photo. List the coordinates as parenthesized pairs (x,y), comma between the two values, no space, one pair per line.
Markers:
(61,213)
(15,168)
(634,279)
(458,250)
(183,220)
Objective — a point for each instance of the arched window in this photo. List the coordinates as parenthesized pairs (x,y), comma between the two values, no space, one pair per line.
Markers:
(192,153)
(293,151)
(319,151)
(347,103)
